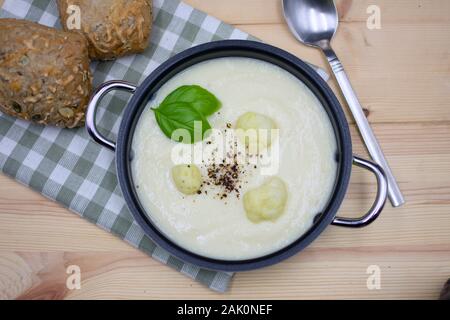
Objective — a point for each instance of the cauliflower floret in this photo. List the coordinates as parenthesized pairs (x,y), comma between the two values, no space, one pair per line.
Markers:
(187,178)
(266,202)
(257,131)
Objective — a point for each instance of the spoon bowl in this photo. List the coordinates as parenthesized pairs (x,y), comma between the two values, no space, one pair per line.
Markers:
(313,22)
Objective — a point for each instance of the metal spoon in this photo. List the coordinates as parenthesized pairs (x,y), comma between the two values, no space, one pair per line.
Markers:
(314,22)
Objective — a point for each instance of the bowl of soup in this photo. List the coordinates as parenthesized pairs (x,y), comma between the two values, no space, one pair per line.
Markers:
(264,178)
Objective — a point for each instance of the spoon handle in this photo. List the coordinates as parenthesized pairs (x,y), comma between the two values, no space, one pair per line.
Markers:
(395,195)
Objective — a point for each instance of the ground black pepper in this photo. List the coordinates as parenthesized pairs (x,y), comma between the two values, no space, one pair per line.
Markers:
(225,173)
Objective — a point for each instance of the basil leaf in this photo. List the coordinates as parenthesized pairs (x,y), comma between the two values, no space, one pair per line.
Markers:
(182,116)
(201,99)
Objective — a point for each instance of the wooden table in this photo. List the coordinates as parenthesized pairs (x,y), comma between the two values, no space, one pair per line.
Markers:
(401,73)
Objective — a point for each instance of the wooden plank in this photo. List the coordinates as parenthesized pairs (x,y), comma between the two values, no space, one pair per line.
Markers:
(422,221)
(269,11)
(406,272)
(403,83)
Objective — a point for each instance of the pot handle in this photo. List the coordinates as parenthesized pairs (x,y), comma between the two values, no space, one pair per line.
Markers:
(380,199)
(98,95)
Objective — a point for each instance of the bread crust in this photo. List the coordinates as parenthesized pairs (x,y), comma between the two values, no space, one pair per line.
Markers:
(113,27)
(44,73)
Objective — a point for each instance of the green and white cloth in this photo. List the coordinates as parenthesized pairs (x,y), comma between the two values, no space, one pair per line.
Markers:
(66,166)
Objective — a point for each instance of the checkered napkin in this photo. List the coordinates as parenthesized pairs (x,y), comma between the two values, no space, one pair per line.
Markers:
(66,166)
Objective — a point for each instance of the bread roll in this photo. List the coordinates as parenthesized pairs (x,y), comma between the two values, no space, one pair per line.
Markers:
(113,27)
(44,73)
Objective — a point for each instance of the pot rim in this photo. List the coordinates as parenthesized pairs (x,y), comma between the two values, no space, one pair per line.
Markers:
(226,48)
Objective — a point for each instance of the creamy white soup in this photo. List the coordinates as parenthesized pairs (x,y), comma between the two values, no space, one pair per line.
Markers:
(214,222)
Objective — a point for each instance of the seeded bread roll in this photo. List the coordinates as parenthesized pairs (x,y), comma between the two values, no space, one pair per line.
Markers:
(44,73)
(113,27)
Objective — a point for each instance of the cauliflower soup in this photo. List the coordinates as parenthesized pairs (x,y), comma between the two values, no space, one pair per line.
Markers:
(236,210)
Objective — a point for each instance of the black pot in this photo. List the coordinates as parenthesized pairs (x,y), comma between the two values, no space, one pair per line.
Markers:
(235,48)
